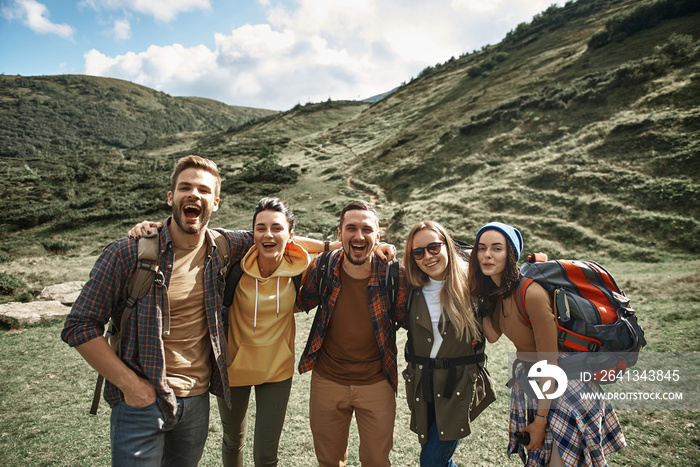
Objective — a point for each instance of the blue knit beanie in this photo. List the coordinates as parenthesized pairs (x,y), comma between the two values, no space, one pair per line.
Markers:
(511,233)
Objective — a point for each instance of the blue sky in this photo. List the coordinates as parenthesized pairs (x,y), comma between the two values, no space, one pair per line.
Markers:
(256,53)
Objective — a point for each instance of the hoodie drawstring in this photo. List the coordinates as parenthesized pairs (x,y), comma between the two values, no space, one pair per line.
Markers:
(255,317)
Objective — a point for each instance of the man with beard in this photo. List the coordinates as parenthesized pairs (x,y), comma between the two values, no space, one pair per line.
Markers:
(158,389)
(352,345)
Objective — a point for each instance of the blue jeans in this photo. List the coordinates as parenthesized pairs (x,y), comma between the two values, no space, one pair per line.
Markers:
(140,436)
(434,452)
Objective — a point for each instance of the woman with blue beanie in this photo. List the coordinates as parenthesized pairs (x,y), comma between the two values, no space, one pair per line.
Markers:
(562,431)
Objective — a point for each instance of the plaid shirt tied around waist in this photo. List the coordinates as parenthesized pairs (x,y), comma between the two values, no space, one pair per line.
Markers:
(104,296)
(378,308)
(584,429)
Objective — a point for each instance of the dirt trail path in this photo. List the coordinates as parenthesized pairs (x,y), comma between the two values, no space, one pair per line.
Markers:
(374,199)
(384,223)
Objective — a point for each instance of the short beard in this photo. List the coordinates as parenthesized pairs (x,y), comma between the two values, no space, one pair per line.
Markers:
(191,228)
(356,262)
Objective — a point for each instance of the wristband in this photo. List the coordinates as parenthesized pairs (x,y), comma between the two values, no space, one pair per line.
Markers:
(326,245)
(538,415)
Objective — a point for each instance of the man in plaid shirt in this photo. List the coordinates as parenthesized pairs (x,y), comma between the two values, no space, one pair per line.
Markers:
(352,345)
(158,390)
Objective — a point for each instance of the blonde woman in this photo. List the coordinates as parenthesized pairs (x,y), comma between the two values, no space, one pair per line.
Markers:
(447,384)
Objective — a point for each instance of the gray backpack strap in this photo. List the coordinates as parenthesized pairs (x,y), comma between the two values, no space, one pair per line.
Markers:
(223,252)
(391,287)
(140,282)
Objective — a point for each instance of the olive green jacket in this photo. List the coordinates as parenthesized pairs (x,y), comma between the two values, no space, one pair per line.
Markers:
(471,392)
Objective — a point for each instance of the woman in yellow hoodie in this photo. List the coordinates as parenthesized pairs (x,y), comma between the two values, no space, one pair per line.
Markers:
(261,335)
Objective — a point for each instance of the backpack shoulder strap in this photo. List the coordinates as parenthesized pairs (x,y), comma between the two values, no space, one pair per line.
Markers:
(232,279)
(297,282)
(140,282)
(391,287)
(520,297)
(323,281)
(223,252)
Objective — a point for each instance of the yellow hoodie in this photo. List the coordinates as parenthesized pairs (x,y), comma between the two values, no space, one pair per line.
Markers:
(261,326)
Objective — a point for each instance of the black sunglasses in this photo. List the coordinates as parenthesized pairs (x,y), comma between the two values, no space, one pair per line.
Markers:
(433,248)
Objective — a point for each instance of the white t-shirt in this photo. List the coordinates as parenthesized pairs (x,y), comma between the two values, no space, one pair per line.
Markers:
(431,292)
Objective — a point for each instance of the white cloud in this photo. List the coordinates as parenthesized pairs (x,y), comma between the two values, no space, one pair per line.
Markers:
(319,49)
(122,29)
(35,16)
(158,67)
(477,6)
(162,10)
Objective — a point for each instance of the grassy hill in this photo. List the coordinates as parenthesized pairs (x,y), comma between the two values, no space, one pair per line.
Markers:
(60,115)
(580,127)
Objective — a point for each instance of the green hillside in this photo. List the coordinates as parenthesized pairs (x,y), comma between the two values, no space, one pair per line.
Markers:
(580,127)
(59,115)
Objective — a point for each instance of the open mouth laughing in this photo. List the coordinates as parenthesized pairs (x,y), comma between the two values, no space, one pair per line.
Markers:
(191,211)
(269,246)
(358,248)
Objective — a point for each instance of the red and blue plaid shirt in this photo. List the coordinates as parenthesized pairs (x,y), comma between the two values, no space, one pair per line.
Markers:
(104,296)
(378,309)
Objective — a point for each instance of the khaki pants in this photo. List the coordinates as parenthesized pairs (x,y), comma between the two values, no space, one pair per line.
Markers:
(331,407)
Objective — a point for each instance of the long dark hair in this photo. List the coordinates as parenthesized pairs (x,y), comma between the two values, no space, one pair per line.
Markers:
(483,288)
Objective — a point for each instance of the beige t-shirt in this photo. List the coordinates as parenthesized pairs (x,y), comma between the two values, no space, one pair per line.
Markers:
(188,347)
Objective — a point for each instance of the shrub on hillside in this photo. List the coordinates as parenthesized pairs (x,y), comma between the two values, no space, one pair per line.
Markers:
(24,297)
(679,49)
(9,283)
(56,247)
(266,168)
(644,16)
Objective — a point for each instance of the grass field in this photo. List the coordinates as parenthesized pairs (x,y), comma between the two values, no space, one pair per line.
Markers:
(46,390)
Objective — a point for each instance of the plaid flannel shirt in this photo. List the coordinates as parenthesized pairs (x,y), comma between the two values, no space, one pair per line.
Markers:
(585,429)
(378,308)
(104,296)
